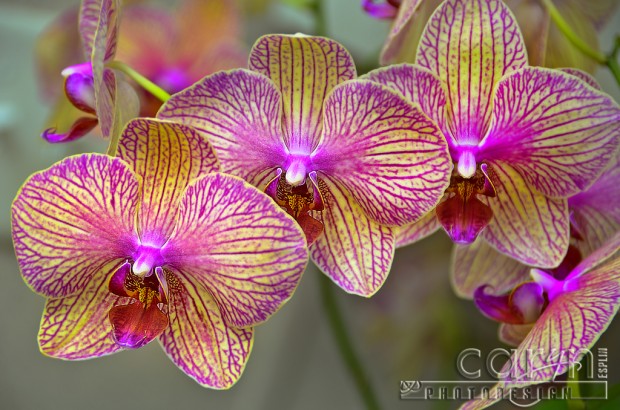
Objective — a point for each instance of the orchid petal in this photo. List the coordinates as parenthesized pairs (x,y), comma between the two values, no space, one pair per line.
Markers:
(401,44)
(609,249)
(512,334)
(72,218)
(560,134)
(411,233)
(305,70)
(167,156)
(354,251)
(596,211)
(198,340)
(572,323)
(479,264)
(583,76)
(526,225)
(79,128)
(417,85)
(385,151)
(239,111)
(236,242)
(135,325)
(77,327)
(99,18)
(478,43)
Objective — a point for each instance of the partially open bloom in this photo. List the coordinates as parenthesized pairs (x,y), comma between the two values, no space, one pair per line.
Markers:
(154,244)
(522,139)
(502,287)
(576,311)
(347,159)
(174,50)
(90,86)
(546,44)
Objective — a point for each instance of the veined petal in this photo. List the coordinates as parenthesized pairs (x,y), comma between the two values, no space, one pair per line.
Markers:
(513,335)
(198,340)
(235,241)
(77,327)
(167,156)
(239,111)
(583,76)
(470,45)
(99,16)
(354,251)
(402,42)
(411,233)
(417,85)
(608,250)
(72,218)
(305,69)
(526,225)
(479,264)
(571,324)
(559,132)
(384,150)
(595,212)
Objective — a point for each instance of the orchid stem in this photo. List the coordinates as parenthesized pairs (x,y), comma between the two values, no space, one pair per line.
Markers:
(343,341)
(320,26)
(609,60)
(573,384)
(142,81)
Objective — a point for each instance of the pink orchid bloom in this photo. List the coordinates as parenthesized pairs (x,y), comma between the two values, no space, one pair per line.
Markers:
(90,86)
(348,159)
(546,45)
(153,243)
(523,139)
(578,309)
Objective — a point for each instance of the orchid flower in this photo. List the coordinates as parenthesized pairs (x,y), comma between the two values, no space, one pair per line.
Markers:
(90,86)
(155,244)
(479,269)
(577,310)
(522,139)
(546,45)
(349,159)
(176,50)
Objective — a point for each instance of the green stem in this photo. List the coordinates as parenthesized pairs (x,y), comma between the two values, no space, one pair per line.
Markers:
(343,341)
(575,402)
(571,35)
(613,66)
(320,25)
(142,81)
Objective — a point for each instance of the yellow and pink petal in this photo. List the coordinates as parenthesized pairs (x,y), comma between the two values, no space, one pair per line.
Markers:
(71,219)
(305,70)
(240,113)
(236,242)
(166,156)
(384,151)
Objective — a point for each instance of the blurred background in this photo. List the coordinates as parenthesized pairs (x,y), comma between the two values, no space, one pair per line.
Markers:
(413,328)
